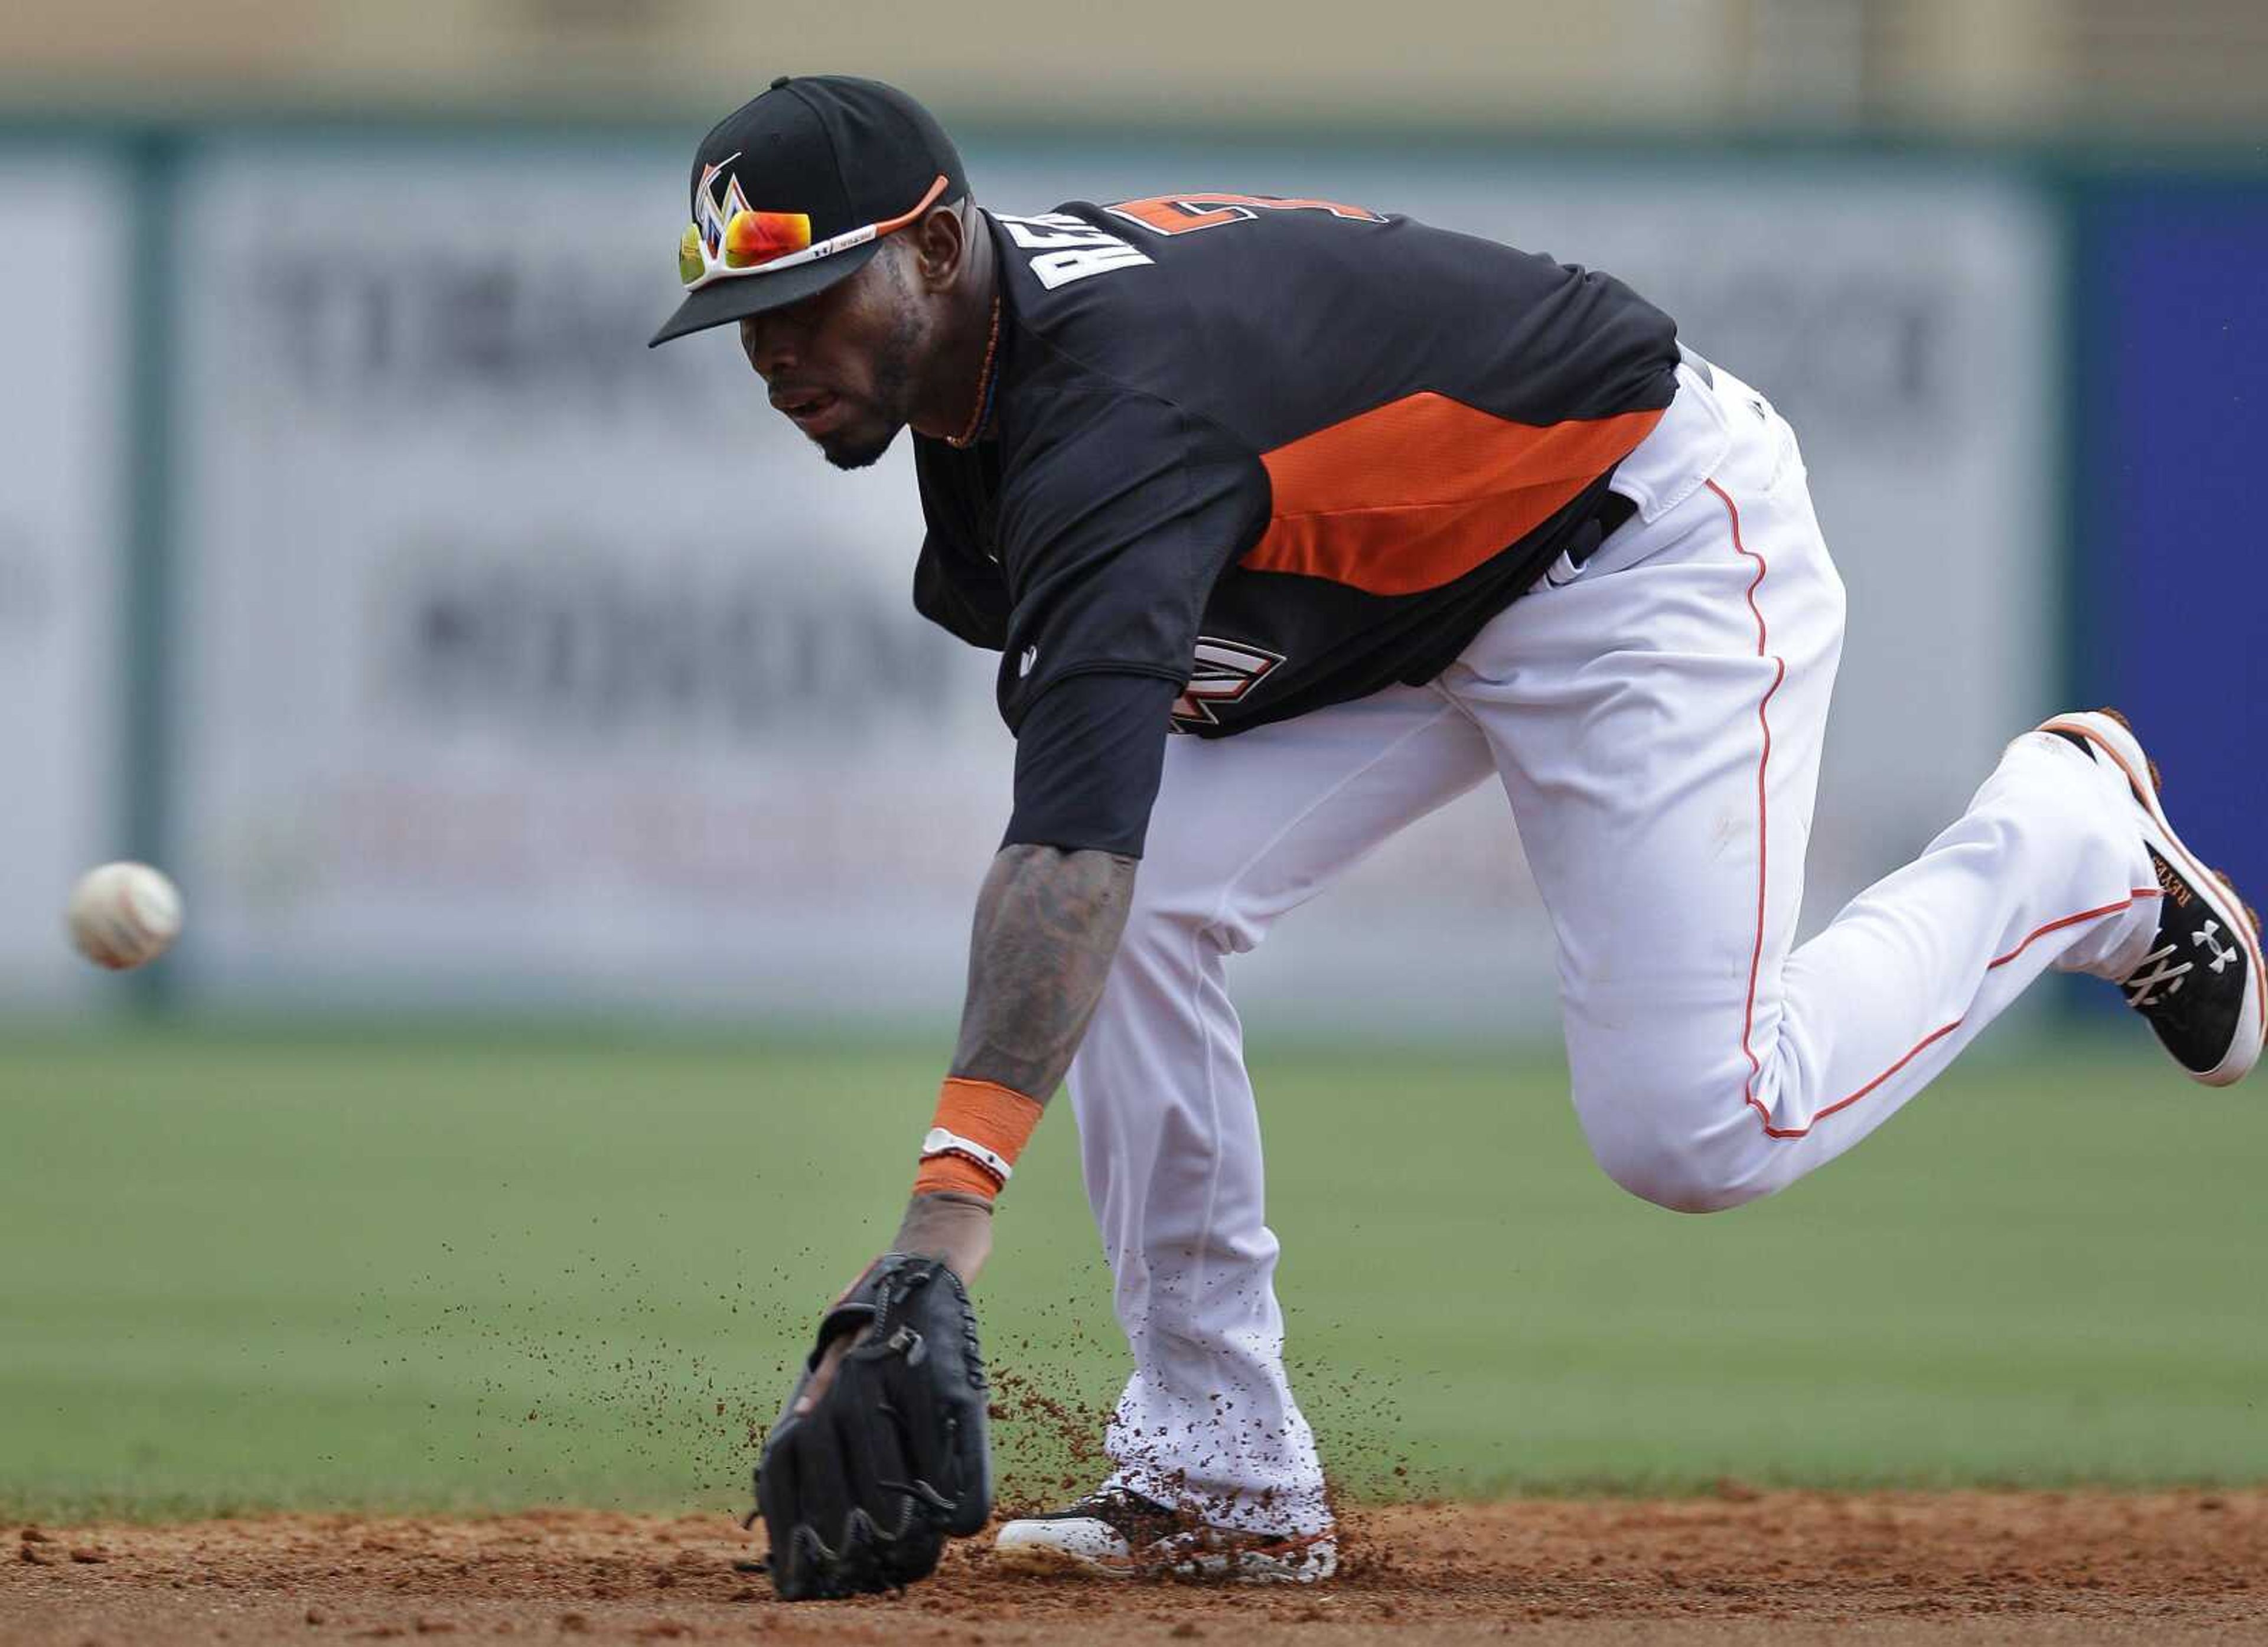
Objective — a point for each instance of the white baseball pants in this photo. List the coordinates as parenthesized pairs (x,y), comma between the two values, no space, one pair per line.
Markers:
(1656,722)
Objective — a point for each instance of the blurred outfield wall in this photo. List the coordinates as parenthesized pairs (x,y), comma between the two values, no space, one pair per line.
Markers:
(506,664)
(64,487)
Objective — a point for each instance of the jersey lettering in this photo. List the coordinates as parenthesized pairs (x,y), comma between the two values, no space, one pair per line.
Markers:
(1186,214)
(1069,248)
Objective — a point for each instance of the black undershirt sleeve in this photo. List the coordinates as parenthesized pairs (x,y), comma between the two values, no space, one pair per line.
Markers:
(1088,758)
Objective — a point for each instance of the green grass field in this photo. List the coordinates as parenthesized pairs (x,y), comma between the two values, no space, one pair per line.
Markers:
(244,1270)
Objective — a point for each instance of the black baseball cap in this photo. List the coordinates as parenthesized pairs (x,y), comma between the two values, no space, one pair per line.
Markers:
(853,158)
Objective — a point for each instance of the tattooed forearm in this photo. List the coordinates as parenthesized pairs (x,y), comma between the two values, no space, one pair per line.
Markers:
(1047,926)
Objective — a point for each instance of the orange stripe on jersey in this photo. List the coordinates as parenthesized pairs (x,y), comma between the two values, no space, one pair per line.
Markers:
(1417,493)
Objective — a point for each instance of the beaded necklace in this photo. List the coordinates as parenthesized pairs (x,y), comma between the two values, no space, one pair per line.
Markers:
(986,384)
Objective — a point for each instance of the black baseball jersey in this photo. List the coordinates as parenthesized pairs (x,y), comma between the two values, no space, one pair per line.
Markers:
(1271,454)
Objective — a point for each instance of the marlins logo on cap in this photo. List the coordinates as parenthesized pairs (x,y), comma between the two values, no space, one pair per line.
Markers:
(726,231)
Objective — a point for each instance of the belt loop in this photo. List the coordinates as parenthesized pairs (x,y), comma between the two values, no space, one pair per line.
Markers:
(1700,366)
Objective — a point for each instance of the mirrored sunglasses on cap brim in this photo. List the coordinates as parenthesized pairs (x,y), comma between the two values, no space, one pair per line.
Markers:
(765,242)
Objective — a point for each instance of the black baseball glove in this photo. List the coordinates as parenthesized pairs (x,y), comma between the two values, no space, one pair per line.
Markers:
(859,1494)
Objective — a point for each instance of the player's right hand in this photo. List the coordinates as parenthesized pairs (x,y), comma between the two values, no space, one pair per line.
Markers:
(867,1472)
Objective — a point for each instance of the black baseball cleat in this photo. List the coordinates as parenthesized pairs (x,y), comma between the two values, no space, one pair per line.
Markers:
(1114,1534)
(2202,984)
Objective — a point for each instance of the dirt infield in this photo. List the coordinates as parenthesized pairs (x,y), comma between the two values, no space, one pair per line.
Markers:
(1776,1567)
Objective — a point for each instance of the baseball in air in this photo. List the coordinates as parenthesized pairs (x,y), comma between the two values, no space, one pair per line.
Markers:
(124,915)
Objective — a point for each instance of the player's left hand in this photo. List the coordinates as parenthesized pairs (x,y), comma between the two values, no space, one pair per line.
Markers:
(868,1472)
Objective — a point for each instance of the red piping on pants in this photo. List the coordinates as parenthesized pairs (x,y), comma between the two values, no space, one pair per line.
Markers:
(1763,838)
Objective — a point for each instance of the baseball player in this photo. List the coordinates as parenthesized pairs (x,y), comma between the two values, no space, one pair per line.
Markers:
(1366,513)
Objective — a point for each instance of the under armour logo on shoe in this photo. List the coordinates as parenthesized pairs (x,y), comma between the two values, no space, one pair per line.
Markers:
(2222,954)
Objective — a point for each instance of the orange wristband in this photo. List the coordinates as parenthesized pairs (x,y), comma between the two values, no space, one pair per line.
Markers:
(980,1130)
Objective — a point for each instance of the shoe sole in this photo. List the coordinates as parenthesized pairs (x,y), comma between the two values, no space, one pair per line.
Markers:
(1304,1564)
(2110,732)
